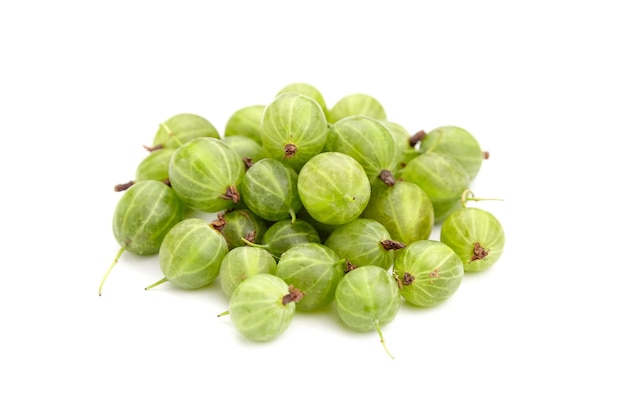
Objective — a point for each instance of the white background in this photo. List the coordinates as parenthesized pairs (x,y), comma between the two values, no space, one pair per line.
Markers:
(83,85)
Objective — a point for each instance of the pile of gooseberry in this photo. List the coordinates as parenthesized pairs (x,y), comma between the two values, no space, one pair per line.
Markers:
(312,206)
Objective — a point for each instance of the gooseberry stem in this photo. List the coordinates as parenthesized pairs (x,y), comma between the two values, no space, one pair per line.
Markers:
(382,340)
(163,280)
(223,314)
(253,244)
(469,195)
(115,260)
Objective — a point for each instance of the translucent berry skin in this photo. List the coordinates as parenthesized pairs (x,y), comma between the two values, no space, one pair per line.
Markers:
(293,129)
(155,166)
(314,269)
(257,310)
(428,272)
(404,150)
(241,263)
(357,104)
(367,297)
(191,254)
(476,236)
(182,128)
(270,190)
(442,178)
(404,209)
(144,214)
(246,121)
(284,234)
(457,143)
(366,140)
(361,243)
(203,171)
(333,188)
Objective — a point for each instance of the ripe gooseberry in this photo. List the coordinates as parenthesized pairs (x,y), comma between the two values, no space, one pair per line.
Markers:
(293,129)
(404,209)
(142,217)
(182,128)
(475,235)
(442,178)
(191,254)
(333,188)
(245,121)
(205,174)
(363,242)
(241,263)
(282,235)
(368,298)
(307,90)
(154,166)
(262,306)
(240,223)
(354,105)
(457,143)
(248,149)
(366,140)
(428,272)
(269,189)
(313,268)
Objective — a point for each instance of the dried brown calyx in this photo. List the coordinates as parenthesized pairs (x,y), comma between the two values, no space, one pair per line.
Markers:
(479,252)
(220,222)
(123,186)
(290,150)
(406,280)
(231,194)
(247,162)
(294,295)
(389,244)
(486,155)
(251,236)
(349,267)
(387,177)
(417,137)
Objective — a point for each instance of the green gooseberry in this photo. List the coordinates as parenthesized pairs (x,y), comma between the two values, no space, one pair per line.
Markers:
(293,129)
(314,269)
(404,209)
(246,121)
(153,167)
(366,140)
(270,190)
(241,263)
(401,138)
(354,105)
(368,298)
(457,143)
(249,150)
(307,90)
(191,254)
(334,188)
(262,306)
(205,174)
(442,178)
(364,242)
(282,235)
(182,128)
(428,272)
(240,223)
(142,217)
(476,235)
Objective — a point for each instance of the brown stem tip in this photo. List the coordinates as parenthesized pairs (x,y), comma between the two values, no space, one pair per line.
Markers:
(123,186)
(486,155)
(247,162)
(417,137)
(251,236)
(154,148)
(231,194)
(349,266)
(479,252)
(294,295)
(290,150)
(219,223)
(389,244)
(387,177)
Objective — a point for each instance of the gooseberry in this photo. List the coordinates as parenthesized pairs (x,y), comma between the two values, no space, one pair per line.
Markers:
(357,104)
(245,121)
(428,272)
(182,128)
(190,254)
(262,306)
(333,188)
(241,263)
(368,298)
